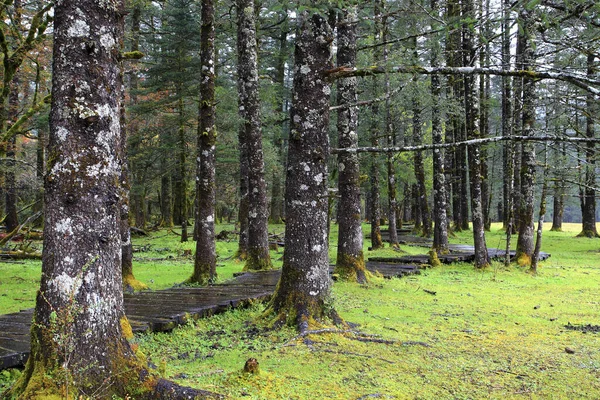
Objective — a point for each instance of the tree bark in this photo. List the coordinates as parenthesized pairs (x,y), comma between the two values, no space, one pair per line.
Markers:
(248,85)
(205,271)
(303,292)
(350,264)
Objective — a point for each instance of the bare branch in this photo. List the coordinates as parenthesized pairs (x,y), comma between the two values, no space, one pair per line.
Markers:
(579,80)
(405,149)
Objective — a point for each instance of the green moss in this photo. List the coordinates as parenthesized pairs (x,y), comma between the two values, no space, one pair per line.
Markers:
(258,260)
(523,260)
(351,268)
(434,260)
(129,281)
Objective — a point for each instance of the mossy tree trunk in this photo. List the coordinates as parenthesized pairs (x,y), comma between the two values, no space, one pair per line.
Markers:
(205,261)
(525,239)
(303,291)
(440,230)
(78,346)
(350,264)
(248,85)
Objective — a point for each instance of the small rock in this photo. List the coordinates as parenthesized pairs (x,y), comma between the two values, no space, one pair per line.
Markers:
(569,350)
(536,307)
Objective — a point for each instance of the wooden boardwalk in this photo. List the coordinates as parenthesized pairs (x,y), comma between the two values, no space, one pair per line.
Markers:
(163,310)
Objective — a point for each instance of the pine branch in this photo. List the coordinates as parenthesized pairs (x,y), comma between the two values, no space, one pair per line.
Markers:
(14,129)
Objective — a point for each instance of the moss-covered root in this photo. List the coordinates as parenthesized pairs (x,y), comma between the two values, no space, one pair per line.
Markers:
(132,284)
(434,260)
(351,268)
(588,233)
(241,255)
(258,260)
(302,312)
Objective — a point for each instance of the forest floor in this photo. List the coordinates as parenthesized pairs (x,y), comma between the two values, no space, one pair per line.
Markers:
(498,333)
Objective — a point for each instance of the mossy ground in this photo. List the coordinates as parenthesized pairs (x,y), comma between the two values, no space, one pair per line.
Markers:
(498,333)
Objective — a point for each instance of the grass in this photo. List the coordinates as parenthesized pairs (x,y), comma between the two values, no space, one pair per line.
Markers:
(498,333)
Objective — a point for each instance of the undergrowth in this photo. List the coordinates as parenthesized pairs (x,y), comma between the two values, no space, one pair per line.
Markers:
(498,333)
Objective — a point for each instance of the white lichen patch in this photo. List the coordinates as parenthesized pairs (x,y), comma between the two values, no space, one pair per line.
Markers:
(318,178)
(79,28)
(65,285)
(107,40)
(305,69)
(303,187)
(62,133)
(64,226)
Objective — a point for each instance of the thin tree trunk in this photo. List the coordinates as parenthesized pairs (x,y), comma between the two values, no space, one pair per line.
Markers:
(350,264)
(303,291)
(540,229)
(525,239)
(375,212)
(10,179)
(440,233)
(205,261)
(589,203)
(474,155)
(391,169)
(506,115)
(242,251)
(248,85)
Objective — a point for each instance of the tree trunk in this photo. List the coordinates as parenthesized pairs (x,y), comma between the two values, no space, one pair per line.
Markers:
(78,333)
(276,215)
(165,198)
(588,217)
(375,212)
(506,116)
(179,177)
(540,229)
(350,263)
(303,292)
(391,169)
(559,193)
(474,155)
(10,179)
(242,251)
(526,229)
(205,262)
(440,232)
(129,281)
(248,85)
(484,101)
